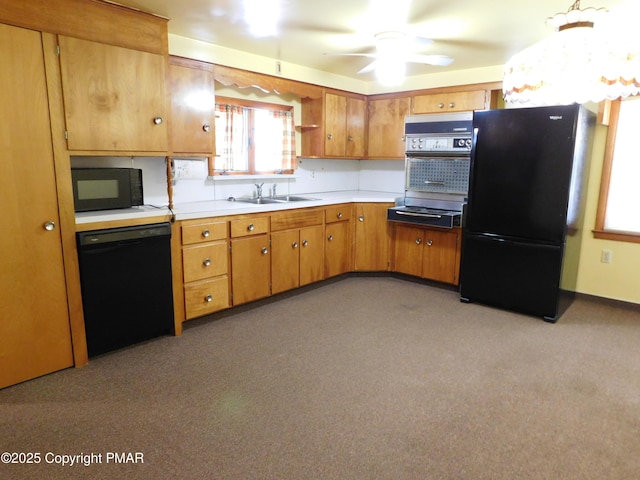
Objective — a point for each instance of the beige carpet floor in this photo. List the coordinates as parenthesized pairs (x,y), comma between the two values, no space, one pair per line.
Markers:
(363,377)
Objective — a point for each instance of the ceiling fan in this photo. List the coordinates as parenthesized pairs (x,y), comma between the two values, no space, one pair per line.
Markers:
(394,49)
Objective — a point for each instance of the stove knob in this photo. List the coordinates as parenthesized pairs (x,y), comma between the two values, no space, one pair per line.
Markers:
(468,143)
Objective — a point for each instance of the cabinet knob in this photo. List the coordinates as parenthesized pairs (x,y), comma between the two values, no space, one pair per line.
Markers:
(418,241)
(361,218)
(294,245)
(305,243)
(265,250)
(429,242)
(339,215)
(350,138)
(206,233)
(451,105)
(330,238)
(207,262)
(206,127)
(208,298)
(50,226)
(158,120)
(441,105)
(330,137)
(251,227)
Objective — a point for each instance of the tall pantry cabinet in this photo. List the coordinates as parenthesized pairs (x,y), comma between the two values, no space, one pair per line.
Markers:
(42,324)
(34,328)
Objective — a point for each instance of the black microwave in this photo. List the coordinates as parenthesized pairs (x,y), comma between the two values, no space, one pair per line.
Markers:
(106,188)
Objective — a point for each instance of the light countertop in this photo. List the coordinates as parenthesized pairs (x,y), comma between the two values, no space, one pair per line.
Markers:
(217,208)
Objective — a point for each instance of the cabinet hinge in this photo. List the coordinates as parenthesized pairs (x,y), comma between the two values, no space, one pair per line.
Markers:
(58,50)
(66,135)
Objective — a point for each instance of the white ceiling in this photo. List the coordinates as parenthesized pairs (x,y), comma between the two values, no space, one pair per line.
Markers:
(475,33)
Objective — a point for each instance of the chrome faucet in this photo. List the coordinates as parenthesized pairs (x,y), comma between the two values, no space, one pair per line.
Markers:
(259,189)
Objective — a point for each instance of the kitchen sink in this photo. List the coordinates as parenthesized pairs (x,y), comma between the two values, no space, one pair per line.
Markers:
(276,199)
(292,198)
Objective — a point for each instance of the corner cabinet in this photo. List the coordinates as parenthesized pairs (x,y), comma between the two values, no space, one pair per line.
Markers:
(334,126)
(429,253)
(114,97)
(372,237)
(386,127)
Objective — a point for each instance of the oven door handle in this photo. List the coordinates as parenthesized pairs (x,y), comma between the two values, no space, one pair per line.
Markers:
(413,214)
(434,182)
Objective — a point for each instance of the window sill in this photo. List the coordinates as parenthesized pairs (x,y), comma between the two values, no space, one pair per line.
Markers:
(630,237)
(268,176)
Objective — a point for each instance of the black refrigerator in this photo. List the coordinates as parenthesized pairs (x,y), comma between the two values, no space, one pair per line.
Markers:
(522,224)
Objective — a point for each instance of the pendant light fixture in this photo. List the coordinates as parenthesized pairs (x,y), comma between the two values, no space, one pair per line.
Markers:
(577,64)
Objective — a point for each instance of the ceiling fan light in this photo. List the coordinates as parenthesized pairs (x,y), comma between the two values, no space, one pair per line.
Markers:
(391,71)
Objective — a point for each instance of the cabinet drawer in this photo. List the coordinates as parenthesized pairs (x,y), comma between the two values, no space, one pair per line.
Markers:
(204,261)
(206,297)
(249,226)
(296,219)
(338,213)
(203,232)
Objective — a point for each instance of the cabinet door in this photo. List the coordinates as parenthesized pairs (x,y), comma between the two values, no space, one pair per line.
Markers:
(407,255)
(192,109)
(337,248)
(356,110)
(372,237)
(386,127)
(114,97)
(440,255)
(311,254)
(285,260)
(449,102)
(250,268)
(335,125)
(35,330)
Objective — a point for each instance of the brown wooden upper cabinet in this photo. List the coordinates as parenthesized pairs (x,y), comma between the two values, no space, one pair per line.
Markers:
(333,126)
(386,127)
(114,97)
(192,106)
(450,102)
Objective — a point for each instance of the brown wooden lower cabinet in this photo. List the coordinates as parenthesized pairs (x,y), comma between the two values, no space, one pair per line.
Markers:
(250,268)
(427,252)
(297,258)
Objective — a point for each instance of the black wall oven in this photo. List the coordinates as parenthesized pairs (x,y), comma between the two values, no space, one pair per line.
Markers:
(437,159)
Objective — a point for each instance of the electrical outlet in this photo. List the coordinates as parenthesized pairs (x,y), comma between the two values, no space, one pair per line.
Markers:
(605,256)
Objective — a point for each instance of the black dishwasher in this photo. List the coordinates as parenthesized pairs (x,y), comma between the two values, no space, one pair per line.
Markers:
(125,275)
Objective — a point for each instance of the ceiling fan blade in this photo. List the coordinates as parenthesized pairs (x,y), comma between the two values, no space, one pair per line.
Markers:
(439,60)
(370,55)
(369,68)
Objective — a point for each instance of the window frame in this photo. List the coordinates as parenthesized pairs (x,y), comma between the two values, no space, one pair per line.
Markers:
(251,104)
(599,231)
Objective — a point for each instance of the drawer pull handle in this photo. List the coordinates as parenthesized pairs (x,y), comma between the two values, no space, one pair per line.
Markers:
(451,105)
(361,218)
(294,245)
(339,215)
(251,227)
(207,262)
(206,233)
(265,250)
(208,298)
(441,105)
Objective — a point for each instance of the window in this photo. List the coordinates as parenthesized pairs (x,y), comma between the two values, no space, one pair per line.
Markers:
(617,217)
(253,137)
